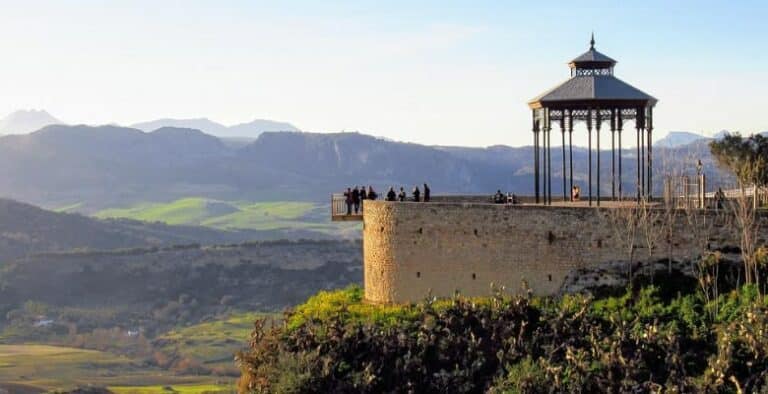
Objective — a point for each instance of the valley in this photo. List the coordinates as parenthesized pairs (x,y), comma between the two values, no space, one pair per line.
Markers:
(121,302)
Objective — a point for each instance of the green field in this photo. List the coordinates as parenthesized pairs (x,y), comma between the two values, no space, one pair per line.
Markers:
(230,215)
(175,389)
(213,343)
(33,368)
(37,368)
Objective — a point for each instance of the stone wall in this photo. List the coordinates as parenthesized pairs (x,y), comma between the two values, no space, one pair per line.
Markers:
(412,250)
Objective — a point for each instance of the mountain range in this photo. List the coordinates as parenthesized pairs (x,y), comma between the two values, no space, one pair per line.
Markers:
(27,121)
(250,129)
(110,166)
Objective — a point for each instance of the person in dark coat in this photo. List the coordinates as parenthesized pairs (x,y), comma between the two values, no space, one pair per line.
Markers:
(416,194)
(499,198)
(371,193)
(356,199)
(363,193)
(348,200)
(427,193)
(401,196)
(391,195)
(719,198)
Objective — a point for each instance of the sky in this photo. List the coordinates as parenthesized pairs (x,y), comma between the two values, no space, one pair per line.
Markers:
(432,72)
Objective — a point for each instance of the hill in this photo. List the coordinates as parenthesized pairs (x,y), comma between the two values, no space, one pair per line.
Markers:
(26,121)
(97,168)
(282,216)
(678,138)
(26,230)
(250,129)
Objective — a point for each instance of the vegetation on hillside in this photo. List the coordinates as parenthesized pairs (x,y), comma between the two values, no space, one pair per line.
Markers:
(233,215)
(41,368)
(653,338)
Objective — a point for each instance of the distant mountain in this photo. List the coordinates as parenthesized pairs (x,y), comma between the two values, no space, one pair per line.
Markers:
(248,130)
(107,166)
(203,124)
(26,121)
(256,127)
(678,138)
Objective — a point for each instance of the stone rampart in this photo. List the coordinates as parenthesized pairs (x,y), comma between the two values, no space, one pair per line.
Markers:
(412,250)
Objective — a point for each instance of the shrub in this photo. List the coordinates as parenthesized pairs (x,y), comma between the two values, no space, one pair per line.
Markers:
(635,342)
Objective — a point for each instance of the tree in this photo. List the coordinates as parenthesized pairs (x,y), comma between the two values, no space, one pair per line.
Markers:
(746,158)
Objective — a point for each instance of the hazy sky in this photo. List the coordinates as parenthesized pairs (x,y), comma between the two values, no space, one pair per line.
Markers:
(450,73)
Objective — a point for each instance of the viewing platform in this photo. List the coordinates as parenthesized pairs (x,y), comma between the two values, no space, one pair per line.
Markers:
(696,199)
(339,206)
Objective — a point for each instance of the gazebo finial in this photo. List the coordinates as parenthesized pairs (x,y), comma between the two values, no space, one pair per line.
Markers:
(592,41)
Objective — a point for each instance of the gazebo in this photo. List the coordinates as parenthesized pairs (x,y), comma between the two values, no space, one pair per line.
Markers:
(592,95)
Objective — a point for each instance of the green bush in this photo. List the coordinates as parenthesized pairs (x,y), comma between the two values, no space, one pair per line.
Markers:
(645,340)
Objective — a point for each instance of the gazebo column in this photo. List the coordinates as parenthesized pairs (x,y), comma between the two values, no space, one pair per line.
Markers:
(637,184)
(613,154)
(548,132)
(589,169)
(598,122)
(549,160)
(562,132)
(619,126)
(543,156)
(642,161)
(650,153)
(535,155)
(570,148)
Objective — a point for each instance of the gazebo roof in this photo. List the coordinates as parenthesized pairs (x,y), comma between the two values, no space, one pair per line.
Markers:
(589,88)
(592,82)
(592,55)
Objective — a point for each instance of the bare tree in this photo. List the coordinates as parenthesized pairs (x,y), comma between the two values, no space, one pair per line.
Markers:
(648,217)
(624,222)
(707,271)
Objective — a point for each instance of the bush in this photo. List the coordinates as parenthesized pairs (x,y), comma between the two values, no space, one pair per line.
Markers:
(640,341)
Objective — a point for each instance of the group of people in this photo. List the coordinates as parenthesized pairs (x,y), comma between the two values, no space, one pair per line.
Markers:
(416,194)
(355,196)
(501,198)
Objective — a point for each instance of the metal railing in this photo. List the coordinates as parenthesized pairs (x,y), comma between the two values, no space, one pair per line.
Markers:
(340,211)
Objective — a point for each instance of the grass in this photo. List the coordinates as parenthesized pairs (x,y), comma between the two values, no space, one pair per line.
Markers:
(56,367)
(231,215)
(213,343)
(348,304)
(68,208)
(180,388)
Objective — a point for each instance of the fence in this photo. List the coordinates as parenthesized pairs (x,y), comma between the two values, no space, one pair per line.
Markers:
(685,191)
(339,211)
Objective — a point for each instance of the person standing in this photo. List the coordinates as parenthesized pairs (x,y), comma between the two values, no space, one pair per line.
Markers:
(719,198)
(348,200)
(371,193)
(499,198)
(391,196)
(427,193)
(416,194)
(363,193)
(356,199)
(401,195)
